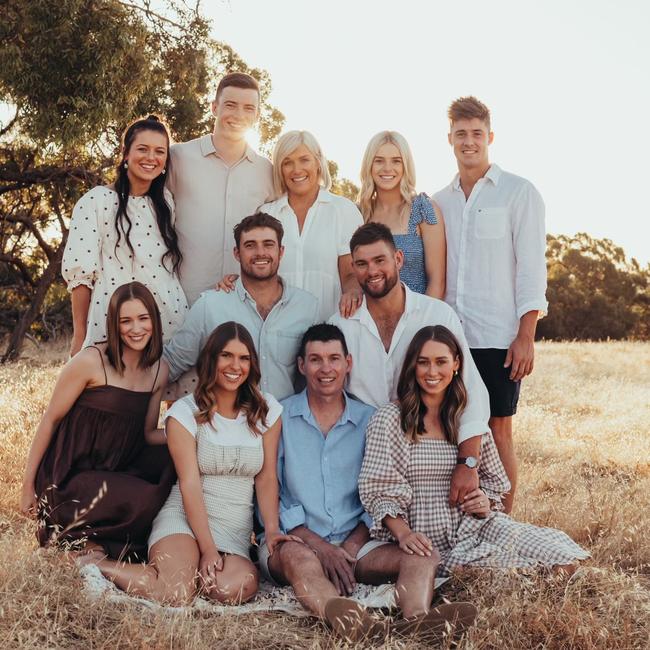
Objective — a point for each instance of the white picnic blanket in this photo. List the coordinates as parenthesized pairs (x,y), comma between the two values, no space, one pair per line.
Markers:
(268,598)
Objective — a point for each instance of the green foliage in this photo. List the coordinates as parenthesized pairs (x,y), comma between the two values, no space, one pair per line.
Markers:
(594,292)
(342,186)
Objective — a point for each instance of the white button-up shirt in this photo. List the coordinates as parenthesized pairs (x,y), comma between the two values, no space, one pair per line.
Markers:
(211,199)
(496,265)
(375,372)
(311,257)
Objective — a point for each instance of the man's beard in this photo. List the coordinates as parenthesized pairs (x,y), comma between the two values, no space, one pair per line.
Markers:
(389,283)
(252,273)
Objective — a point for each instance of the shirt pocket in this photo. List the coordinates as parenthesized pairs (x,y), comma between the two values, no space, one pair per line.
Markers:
(490,223)
(287,344)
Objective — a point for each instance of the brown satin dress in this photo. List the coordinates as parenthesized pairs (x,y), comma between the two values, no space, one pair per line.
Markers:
(98,479)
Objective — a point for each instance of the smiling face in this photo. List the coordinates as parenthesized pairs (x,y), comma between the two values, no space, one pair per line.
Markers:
(233,365)
(387,167)
(135,324)
(259,254)
(235,111)
(470,139)
(301,172)
(147,156)
(325,367)
(434,368)
(376,267)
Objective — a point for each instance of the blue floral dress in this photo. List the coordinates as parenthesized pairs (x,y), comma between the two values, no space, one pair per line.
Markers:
(413,273)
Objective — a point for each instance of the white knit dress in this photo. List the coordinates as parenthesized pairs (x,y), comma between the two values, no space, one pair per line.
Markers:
(229,456)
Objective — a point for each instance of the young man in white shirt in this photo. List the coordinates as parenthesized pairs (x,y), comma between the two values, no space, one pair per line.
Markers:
(216,180)
(378,335)
(496,267)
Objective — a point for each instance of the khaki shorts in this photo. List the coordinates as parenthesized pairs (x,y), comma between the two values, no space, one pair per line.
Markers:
(263,556)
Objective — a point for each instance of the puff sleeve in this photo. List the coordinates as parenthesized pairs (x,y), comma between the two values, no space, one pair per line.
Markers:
(81,257)
(383,487)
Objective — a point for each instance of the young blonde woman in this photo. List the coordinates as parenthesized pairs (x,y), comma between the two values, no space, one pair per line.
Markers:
(388,196)
(98,469)
(224,442)
(411,452)
(317,225)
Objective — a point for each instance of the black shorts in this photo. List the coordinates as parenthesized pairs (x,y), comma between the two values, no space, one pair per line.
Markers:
(504,393)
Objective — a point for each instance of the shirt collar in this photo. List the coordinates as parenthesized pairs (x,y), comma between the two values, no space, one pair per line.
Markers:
(410,304)
(207,148)
(323,196)
(492,174)
(243,294)
(300,406)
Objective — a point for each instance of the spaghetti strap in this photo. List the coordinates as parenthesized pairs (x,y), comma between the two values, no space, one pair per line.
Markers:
(101,358)
(155,379)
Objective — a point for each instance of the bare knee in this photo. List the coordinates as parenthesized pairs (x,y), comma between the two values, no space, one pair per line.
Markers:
(234,589)
(419,563)
(295,557)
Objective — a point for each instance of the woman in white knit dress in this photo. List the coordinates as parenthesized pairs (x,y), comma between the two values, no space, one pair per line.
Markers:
(125,232)
(224,441)
(410,455)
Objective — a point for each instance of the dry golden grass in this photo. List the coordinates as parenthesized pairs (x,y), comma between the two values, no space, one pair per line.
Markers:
(584,443)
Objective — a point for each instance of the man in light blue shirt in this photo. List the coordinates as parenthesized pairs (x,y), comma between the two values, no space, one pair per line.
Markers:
(319,461)
(276,315)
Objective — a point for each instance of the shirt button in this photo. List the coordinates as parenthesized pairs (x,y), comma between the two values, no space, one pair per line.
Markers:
(264,358)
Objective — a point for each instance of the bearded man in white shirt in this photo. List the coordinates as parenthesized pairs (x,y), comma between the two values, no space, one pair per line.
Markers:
(496,267)
(380,331)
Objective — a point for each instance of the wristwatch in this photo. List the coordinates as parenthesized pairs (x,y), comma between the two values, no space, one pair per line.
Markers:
(469,461)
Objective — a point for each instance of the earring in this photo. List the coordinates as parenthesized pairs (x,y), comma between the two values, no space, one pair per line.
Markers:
(164,171)
(126,164)
(455,373)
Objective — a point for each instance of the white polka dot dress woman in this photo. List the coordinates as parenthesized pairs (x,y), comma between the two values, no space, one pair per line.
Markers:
(124,233)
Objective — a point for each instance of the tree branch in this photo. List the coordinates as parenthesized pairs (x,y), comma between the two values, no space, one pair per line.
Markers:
(20,266)
(6,129)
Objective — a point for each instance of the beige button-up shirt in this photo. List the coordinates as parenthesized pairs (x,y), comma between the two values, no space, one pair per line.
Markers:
(211,199)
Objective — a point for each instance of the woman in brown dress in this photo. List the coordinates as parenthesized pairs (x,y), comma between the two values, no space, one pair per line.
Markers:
(98,469)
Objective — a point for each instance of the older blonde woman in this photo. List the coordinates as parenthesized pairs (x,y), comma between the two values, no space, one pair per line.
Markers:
(388,196)
(317,225)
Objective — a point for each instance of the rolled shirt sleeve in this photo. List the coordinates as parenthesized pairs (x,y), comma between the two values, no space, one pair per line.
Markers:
(474,419)
(182,351)
(350,220)
(81,257)
(529,241)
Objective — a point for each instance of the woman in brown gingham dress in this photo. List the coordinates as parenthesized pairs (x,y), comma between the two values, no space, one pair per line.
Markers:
(407,475)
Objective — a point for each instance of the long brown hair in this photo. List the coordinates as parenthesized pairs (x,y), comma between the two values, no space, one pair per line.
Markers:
(249,397)
(156,193)
(412,408)
(114,344)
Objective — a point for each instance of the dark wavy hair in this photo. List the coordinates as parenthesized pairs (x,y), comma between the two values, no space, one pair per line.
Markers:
(412,408)
(249,397)
(156,192)
(114,345)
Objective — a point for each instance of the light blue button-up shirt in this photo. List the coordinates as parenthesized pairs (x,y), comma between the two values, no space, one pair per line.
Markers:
(319,474)
(276,338)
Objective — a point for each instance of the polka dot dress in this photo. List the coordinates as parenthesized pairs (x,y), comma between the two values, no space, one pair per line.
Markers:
(93,258)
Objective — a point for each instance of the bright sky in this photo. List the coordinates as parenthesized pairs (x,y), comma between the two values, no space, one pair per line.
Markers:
(567,83)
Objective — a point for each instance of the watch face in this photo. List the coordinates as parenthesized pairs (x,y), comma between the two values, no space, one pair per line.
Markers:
(471,462)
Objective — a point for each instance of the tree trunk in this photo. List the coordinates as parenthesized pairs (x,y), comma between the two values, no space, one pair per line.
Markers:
(29,316)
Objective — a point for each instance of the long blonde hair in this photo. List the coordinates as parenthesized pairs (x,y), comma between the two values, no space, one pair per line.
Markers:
(286,145)
(368,193)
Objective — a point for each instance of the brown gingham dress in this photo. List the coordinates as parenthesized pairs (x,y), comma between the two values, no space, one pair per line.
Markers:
(411,480)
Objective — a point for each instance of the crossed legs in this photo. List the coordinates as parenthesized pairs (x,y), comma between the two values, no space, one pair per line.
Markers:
(298,565)
(171,576)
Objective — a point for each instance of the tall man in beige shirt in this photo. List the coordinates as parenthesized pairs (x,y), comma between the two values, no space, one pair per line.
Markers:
(217,180)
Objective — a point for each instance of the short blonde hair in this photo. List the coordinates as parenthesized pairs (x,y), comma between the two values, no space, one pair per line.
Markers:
(286,145)
(367,192)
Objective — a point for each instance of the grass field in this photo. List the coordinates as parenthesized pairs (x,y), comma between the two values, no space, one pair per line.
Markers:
(583,437)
